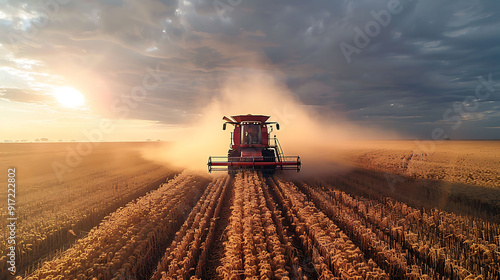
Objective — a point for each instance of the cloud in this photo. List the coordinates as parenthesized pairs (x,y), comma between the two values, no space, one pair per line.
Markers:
(25,96)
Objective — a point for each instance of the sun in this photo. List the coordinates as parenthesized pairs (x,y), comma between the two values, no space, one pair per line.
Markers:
(69,97)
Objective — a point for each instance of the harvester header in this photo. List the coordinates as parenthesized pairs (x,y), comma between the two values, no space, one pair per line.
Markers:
(252,147)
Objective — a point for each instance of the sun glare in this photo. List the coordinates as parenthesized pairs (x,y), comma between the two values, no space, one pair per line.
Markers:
(69,97)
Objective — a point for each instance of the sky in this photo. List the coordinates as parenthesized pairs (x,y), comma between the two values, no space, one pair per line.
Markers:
(148,69)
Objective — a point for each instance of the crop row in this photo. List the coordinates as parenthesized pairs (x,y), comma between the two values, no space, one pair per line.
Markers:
(333,253)
(127,243)
(61,214)
(419,236)
(187,250)
(253,247)
(271,228)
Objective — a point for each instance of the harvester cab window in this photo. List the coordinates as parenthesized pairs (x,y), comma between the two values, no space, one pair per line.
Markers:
(251,134)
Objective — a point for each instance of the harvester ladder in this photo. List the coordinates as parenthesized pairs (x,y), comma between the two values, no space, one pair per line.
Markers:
(279,150)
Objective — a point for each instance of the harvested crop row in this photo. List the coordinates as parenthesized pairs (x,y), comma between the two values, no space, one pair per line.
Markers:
(181,257)
(446,240)
(253,247)
(337,251)
(320,266)
(273,241)
(407,227)
(369,239)
(284,236)
(128,242)
(457,233)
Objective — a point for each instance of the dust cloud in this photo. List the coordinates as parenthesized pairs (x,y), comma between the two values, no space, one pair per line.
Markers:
(316,138)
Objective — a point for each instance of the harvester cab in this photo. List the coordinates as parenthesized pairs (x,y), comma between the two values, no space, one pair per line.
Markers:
(252,147)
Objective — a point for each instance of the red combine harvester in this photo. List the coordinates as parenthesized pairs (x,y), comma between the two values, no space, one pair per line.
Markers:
(252,148)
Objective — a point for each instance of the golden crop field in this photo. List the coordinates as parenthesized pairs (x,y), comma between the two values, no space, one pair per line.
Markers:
(458,176)
(470,162)
(118,216)
(54,213)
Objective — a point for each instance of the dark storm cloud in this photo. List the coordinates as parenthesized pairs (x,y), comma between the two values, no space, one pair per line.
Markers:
(423,59)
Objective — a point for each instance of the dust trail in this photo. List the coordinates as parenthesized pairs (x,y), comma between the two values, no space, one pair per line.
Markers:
(315,138)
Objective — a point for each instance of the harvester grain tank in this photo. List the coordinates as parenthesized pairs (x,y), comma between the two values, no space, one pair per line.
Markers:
(252,147)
